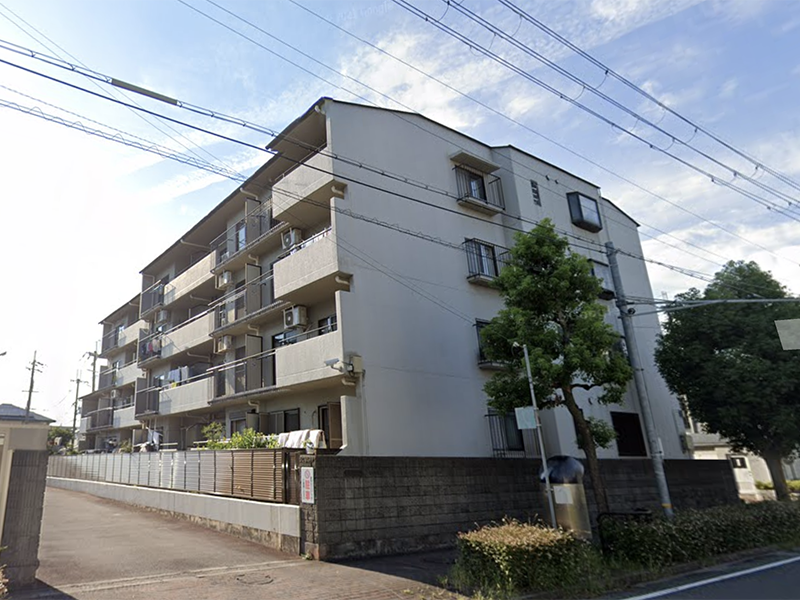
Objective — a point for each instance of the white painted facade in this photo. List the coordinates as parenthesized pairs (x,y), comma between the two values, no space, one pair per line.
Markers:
(398,309)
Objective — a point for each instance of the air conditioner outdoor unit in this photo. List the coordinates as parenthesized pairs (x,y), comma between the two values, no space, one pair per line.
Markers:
(162,316)
(224,344)
(114,394)
(291,238)
(224,280)
(295,317)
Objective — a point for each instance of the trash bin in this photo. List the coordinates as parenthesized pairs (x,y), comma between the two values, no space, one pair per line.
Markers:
(569,497)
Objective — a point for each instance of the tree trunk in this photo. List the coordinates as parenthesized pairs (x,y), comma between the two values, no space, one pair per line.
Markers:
(587,440)
(775,465)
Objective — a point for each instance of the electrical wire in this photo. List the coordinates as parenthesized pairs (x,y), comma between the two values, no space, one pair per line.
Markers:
(476,18)
(138,115)
(610,72)
(563,96)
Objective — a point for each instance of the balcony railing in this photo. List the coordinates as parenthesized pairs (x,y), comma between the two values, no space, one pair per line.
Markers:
(244,302)
(100,419)
(152,298)
(149,345)
(478,190)
(243,234)
(109,341)
(146,402)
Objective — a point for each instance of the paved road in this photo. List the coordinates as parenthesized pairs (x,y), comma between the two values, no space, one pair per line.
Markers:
(94,549)
(733,582)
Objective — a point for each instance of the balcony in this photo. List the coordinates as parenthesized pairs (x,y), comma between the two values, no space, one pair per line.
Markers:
(146,403)
(246,306)
(249,236)
(189,280)
(185,397)
(310,270)
(303,195)
(479,191)
(483,264)
(304,361)
(124,418)
(99,419)
(116,339)
(186,336)
(113,378)
(149,347)
(151,299)
(242,376)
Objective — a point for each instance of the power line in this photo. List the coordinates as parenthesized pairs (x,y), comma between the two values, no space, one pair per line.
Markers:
(537,133)
(610,72)
(138,115)
(474,17)
(353,180)
(563,96)
(210,113)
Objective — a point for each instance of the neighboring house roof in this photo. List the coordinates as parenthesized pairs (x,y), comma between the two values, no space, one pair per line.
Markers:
(9,412)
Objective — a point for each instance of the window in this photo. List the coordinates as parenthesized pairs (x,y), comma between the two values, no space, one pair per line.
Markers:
(326,325)
(506,436)
(738,462)
(585,212)
(479,325)
(283,421)
(630,441)
(481,259)
(537,200)
(474,185)
(479,190)
(241,235)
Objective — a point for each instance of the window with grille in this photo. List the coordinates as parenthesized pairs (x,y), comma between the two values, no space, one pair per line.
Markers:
(537,200)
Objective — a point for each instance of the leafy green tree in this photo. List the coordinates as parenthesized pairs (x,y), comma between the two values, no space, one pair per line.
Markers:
(727,360)
(54,433)
(552,305)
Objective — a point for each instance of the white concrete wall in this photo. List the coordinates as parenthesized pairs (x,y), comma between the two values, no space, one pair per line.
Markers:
(280,518)
(422,387)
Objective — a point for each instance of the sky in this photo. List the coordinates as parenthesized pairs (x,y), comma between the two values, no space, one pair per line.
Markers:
(80,215)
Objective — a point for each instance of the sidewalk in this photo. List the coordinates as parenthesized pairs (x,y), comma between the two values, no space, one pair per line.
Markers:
(94,549)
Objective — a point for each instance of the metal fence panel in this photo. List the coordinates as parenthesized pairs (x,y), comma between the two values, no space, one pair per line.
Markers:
(144,469)
(207,471)
(242,469)
(192,477)
(155,469)
(179,471)
(166,470)
(224,472)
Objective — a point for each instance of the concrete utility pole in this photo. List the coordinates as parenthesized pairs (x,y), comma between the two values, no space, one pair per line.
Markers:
(34,368)
(95,355)
(77,382)
(548,487)
(656,453)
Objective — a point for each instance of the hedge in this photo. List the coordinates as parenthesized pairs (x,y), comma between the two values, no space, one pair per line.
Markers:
(792,484)
(514,556)
(700,534)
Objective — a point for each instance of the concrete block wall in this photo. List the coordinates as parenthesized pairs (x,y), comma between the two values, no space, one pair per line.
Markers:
(23,517)
(385,505)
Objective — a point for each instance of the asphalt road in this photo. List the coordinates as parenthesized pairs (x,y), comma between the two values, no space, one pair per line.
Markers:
(749,580)
(95,549)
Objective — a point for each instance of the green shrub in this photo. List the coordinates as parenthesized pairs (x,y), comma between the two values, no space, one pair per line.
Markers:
(513,557)
(700,534)
(250,438)
(793,484)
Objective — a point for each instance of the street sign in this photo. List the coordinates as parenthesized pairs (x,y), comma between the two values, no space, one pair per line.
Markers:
(307,485)
(789,333)
(526,417)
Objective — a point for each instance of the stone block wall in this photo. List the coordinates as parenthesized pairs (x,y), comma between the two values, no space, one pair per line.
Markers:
(23,518)
(385,505)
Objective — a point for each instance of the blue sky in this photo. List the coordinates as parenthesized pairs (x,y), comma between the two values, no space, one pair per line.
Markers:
(81,215)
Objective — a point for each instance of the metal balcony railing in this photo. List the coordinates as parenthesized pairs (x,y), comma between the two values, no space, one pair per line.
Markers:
(152,298)
(107,379)
(244,301)
(146,402)
(149,345)
(109,341)
(244,233)
(480,187)
(102,418)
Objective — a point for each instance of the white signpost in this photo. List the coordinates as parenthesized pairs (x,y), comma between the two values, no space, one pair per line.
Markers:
(789,333)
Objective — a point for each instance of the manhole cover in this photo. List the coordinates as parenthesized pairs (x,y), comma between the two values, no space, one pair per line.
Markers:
(254,579)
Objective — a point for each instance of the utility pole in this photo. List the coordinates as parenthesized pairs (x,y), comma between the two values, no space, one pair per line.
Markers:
(34,368)
(656,453)
(95,355)
(77,382)
(538,421)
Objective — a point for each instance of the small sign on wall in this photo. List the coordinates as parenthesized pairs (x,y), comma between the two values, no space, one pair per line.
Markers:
(307,485)
(526,418)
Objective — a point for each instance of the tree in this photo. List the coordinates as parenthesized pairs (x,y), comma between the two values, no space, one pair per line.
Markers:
(727,360)
(551,300)
(58,437)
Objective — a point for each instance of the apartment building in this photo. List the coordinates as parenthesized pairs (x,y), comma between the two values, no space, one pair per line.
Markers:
(343,285)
